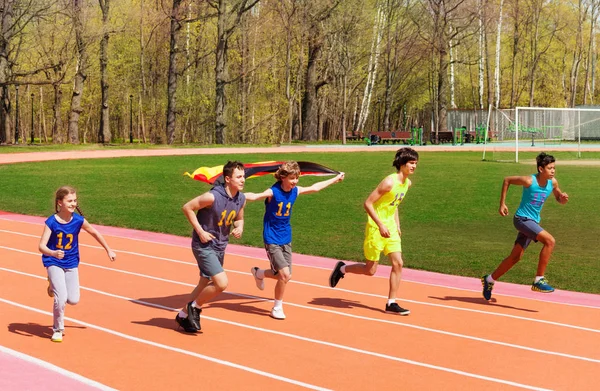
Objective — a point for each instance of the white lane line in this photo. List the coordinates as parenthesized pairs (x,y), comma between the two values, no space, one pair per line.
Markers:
(305,339)
(256,298)
(307,266)
(54,368)
(171,348)
(342,290)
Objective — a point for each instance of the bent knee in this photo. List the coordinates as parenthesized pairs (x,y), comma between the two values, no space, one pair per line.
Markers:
(370,270)
(73,301)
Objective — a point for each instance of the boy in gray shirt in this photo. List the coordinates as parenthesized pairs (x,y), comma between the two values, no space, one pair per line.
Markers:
(213,215)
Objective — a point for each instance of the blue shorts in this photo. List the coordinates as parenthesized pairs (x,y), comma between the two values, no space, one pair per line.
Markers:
(528,230)
(209,260)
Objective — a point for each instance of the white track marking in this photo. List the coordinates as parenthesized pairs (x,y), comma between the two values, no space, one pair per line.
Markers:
(421,328)
(54,368)
(171,348)
(227,363)
(297,265)
(342,290)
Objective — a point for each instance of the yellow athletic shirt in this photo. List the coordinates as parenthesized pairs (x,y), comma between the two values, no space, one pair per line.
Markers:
(388,203)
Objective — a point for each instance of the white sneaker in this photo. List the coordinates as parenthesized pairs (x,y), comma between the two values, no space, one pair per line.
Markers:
(277,313)
(57,336)
(260,282)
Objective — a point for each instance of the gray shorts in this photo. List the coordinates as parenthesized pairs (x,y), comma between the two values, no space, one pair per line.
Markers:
(209,260)
(528,230)
(280,256)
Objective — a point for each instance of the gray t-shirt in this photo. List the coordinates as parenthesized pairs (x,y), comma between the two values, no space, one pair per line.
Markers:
(219,218)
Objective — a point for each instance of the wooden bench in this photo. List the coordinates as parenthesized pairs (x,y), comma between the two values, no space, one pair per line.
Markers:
(390,137)
(443,137)
(353,137)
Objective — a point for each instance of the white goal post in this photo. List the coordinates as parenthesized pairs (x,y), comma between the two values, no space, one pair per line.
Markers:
(545,125)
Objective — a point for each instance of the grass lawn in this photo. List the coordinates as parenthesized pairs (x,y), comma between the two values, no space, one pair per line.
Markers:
(449,218)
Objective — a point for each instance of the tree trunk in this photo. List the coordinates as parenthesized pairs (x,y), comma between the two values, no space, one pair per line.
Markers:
(104,134)
(57,120)
(5,71)
(80,75)
(221,73)
(172,74)
(310,109)
(497,68)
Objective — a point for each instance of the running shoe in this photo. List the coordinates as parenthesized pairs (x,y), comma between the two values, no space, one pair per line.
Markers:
(194,316)
(277,313)
(185,324)
(336,274)
(260,282)
(394,308)
(57,336)
(487,287)
(542,286)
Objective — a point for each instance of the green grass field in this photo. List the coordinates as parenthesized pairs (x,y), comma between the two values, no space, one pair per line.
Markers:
(449,218)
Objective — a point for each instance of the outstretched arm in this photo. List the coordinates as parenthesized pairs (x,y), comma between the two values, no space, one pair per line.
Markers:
(259,196)
(315,187)
(99,238)
(511,180)
(561,197)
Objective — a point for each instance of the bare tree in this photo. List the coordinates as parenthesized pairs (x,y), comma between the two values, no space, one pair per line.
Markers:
(228,19)
(104,135)
(80,74)
(312,83)
(172,73)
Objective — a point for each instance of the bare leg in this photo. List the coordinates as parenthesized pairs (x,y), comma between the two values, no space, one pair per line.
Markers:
(369,268)
(205,291)
(395,274)
(507,263)
(548,241)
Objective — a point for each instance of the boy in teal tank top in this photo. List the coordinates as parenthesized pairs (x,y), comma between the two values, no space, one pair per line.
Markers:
(382,232)
(536,189)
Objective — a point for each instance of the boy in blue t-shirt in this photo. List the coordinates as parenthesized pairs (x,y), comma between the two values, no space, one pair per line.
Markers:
(277,230)
(536,189)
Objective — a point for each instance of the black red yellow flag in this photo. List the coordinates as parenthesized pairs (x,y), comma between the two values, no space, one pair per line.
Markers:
(212,175)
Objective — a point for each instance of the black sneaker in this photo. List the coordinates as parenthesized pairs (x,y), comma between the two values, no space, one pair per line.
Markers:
(336,274)
(487,288)
(394,308)
(194,316)
(185,324)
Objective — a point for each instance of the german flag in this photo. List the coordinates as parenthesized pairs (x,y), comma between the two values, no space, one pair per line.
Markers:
(212,175)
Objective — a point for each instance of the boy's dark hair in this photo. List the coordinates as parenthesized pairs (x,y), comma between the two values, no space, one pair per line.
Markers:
(231,166)
(403,156)
(543,159)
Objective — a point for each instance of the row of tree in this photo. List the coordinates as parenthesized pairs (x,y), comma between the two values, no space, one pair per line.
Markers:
(273,71)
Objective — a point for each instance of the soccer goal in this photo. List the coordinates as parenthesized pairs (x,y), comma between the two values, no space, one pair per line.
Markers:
(542,127)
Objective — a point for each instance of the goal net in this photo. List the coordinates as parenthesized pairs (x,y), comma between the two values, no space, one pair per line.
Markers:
(542,128)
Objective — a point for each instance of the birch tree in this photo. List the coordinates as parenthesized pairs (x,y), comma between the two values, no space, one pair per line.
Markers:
(378,29)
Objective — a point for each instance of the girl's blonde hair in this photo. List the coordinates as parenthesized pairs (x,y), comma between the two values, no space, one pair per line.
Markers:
(61,193)
(287,169)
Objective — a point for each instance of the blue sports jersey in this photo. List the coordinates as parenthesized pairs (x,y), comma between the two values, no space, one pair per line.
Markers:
(64,237)
(278,211)
(533,199)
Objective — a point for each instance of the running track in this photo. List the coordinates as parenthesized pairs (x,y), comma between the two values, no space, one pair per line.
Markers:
(122,334)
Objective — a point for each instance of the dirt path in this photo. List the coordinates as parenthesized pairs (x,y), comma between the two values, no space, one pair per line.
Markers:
(8,158)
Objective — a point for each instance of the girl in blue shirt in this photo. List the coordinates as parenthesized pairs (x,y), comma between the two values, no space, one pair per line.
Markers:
(59,246)
(277,229)
(536,189)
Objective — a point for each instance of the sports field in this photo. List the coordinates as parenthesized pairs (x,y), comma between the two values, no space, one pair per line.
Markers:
(122,333)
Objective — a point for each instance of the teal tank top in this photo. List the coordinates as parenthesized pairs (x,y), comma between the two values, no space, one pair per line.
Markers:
(533,199)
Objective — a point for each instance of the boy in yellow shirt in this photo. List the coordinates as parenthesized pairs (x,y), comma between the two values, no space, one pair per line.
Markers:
(382,232)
